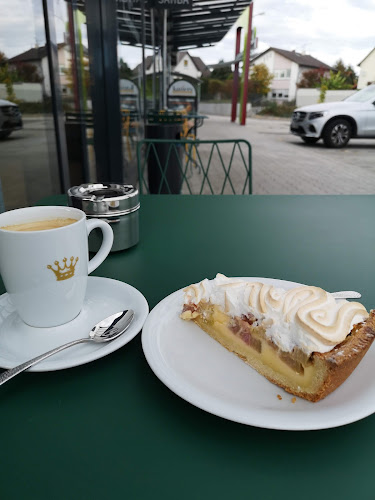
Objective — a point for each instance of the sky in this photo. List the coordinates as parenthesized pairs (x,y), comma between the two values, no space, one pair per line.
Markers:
(326,29)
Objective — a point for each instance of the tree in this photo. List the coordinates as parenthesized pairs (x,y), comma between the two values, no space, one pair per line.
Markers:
(347,72)
(6,76)
(335,81)
(311,78)
(260,80)
(222,72)
(215,88)
(83,67)
(26,72)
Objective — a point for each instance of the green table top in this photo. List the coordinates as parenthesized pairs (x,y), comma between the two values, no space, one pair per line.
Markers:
(111,429)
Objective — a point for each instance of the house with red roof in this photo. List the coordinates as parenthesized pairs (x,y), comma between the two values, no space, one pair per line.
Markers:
(287,68)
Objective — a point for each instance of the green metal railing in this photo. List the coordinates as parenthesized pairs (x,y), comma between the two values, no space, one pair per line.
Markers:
(188,166)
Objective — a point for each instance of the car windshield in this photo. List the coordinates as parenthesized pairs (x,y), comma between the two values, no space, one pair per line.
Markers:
(364,95)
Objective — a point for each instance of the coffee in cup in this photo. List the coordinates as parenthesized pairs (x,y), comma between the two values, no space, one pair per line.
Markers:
(40,225)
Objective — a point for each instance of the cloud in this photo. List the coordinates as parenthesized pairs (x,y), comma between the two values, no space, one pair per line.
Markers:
(326,29)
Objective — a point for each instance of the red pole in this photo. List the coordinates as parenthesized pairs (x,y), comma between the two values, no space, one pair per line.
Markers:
(246,67)
(235,76)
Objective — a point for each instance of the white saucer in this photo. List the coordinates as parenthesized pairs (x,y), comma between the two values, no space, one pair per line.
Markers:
(20,342)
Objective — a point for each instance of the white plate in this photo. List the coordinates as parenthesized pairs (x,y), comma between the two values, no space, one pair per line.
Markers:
(201,371)
(20,342)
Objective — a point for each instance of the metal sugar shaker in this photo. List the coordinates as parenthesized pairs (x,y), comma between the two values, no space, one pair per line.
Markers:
(117,204)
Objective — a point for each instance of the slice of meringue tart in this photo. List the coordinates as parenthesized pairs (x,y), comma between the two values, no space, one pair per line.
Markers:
(302,339)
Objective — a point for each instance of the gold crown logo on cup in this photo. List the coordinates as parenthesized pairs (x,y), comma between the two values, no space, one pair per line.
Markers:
(64,272)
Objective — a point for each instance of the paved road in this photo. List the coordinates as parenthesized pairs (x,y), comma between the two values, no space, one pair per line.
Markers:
(28,168)
(284,164)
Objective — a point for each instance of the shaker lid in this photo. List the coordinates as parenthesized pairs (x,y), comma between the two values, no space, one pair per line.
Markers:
(104,198)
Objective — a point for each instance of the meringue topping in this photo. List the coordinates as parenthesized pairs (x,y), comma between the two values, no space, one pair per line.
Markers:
(306,317)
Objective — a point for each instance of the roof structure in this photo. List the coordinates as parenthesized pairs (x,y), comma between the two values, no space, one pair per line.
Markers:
(205,24)
(148,63)
(32,55)
(300,59)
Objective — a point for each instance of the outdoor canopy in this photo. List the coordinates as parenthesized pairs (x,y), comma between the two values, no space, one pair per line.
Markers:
(203,24)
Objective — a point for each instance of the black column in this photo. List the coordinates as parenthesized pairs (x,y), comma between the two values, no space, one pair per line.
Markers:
(101,19)
(58,117)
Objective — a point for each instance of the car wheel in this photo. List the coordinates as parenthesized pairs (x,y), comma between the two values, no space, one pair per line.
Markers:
(4,135)
(310,140)
(337,133)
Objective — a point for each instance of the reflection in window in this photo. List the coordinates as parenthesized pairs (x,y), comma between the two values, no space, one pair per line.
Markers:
(28,166)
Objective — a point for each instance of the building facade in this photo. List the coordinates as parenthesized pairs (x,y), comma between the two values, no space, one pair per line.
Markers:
(287,68)
(367,72)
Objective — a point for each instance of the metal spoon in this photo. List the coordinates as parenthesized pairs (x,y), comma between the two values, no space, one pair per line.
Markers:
(106,330)
(349,294)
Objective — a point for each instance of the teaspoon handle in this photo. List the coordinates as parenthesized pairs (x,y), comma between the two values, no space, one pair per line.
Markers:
(12,372)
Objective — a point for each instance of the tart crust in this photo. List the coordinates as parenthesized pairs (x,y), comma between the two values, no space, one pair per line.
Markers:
(311,378)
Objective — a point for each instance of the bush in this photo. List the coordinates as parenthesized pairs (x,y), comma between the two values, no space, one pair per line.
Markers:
(31,107)
(283,109)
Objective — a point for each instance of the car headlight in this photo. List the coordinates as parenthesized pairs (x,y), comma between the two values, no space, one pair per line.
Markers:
(317,114)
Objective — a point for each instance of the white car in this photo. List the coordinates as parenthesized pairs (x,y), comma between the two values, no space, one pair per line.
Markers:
(337,122)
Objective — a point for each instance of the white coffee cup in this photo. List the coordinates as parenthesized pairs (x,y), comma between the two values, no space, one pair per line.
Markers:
(45,271)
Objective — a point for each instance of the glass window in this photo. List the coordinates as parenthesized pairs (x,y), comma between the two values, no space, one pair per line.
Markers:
(28,165)
(282,74)
(364,95)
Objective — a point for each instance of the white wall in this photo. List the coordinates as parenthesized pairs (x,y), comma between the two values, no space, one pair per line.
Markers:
(305,97)
(189,70)
(367,73)
(29,92)
(294,74)
(221,109)
(46,80)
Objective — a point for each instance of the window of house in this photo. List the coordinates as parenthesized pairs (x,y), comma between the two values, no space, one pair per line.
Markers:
(280,94)
(282,74)
(186,63)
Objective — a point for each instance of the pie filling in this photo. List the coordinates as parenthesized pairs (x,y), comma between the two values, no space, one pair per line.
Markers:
(248,340)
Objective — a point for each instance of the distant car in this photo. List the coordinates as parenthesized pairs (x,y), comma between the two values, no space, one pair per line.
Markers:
(337,122)
(10,118)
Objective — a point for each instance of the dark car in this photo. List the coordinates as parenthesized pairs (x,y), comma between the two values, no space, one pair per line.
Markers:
(10,118)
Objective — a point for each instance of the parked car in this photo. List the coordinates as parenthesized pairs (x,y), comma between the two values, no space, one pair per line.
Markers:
(10,118)
(337,122)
